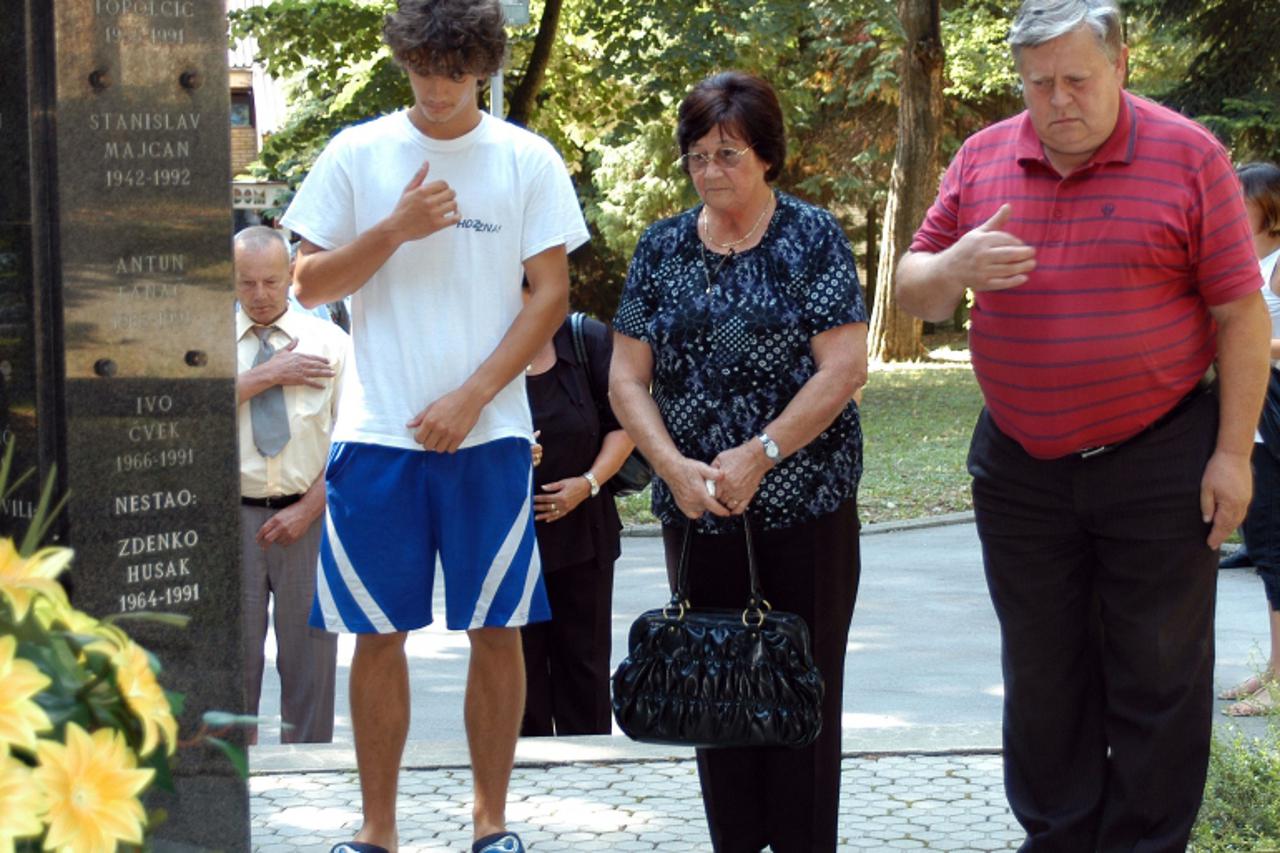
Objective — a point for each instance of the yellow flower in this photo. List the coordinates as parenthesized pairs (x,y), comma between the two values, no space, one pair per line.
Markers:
(143,694)
(20,718)
(22,577)
(21,803)
(92,784)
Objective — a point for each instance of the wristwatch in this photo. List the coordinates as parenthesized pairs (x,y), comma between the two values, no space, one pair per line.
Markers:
(771,449)
(595,485)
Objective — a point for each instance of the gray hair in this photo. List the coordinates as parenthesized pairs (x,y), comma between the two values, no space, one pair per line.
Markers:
(1039,21)
(260,237)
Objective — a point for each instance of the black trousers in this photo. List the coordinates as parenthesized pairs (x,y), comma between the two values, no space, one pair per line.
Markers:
(566,660)
(788,799)
(1104,587)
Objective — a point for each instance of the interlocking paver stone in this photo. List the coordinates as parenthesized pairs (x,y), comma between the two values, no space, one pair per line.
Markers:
(925,802)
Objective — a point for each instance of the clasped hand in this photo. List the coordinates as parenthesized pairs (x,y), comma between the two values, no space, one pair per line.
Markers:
(734,477)
(562,497)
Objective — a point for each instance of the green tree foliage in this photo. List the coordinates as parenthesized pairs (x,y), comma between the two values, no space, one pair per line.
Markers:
(608,93)
(332,52)
(1230,50)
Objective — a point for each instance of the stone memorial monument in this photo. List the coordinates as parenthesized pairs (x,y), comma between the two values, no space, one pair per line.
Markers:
(117,359)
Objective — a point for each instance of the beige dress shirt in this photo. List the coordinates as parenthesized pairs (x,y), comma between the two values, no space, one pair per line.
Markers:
(311,410)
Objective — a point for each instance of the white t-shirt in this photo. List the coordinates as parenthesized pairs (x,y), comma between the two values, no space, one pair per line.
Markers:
(1267,266)
(439,306)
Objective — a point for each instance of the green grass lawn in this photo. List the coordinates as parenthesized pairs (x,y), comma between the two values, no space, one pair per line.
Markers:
(916,421)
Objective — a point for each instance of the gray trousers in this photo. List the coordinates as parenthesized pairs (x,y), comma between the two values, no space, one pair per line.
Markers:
(306,657)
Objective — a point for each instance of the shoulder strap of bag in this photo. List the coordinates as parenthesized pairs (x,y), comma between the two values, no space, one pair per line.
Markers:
(576,320)
(756,605)
(579,345)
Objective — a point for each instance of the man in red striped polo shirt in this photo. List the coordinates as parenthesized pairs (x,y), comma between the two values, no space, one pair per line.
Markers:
(1109,254)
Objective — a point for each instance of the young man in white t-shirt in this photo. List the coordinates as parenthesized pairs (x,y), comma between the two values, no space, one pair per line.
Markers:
(430,217)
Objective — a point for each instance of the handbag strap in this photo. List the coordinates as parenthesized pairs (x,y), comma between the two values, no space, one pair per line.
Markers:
(756,607)
(579,345)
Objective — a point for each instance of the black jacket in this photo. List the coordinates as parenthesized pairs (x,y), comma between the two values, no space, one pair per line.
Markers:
(570,404)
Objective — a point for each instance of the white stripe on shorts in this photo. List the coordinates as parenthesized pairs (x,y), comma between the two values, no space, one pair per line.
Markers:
(359,593)
(521,614)
(502,562)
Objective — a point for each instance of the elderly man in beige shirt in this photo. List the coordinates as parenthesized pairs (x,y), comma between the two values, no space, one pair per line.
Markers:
(289,366)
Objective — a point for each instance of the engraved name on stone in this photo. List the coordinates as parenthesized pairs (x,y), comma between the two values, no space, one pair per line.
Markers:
(156,575)
(153,22)
(131,268)
(152,561)
(144,149)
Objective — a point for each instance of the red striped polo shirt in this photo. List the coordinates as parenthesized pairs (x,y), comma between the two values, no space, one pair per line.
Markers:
(1112,327)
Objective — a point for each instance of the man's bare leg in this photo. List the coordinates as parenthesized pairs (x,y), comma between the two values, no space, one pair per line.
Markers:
(380,723)
(494,707)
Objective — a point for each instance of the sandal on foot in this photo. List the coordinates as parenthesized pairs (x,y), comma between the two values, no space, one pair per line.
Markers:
(1259,704)
(499,842)
(358,847)
(1244,689)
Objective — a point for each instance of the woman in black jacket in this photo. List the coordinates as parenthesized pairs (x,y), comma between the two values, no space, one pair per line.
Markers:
(577,525)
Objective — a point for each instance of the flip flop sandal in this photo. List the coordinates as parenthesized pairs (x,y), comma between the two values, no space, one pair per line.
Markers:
(358,847)
(1259,704)
(1244,689)
(499,842)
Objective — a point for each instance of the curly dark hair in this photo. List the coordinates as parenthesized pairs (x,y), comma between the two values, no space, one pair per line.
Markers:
(739,102)
(449,38)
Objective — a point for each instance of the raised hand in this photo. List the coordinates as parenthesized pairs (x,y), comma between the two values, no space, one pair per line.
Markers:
(988,258)
(298,368)
(424,208)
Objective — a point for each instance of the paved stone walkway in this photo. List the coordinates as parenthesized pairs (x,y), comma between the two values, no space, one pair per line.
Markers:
(898,802)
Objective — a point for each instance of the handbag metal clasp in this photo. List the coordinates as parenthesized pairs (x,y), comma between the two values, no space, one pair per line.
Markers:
(679,613)
(756,613)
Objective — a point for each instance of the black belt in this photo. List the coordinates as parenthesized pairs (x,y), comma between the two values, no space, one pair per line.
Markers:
(1205,383)
(279,502)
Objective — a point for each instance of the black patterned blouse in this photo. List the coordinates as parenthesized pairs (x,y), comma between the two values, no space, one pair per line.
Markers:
(730,340)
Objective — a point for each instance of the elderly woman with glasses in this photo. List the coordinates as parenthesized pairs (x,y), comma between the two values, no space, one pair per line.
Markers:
(739,343)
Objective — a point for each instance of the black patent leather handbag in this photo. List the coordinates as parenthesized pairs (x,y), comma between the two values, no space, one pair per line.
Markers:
(718,677)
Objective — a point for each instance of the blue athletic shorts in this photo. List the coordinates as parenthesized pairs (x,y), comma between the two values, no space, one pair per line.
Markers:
(391,511)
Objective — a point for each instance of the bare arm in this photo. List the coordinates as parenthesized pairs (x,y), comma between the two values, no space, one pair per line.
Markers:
(327,275)
(563,496)
(931,285)
(285,367)
(630,376)
(445,422)
(841,358)
(1244,330)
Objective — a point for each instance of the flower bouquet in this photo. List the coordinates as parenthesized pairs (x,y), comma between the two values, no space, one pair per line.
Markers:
(85,727)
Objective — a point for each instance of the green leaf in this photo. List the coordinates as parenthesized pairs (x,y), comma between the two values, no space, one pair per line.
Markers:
(159,761)
(234,754)
(173,620)
(221,719)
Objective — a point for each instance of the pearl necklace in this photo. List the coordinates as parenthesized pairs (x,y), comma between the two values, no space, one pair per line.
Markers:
(706,228)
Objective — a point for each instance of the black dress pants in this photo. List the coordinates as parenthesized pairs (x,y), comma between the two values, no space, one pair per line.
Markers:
(787,799)
(1104,587)
(567,659)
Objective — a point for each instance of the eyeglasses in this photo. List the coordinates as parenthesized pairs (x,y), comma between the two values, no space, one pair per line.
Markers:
(725,158)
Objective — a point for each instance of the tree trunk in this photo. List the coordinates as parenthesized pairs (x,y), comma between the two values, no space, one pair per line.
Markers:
(913,183)
(521,103)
